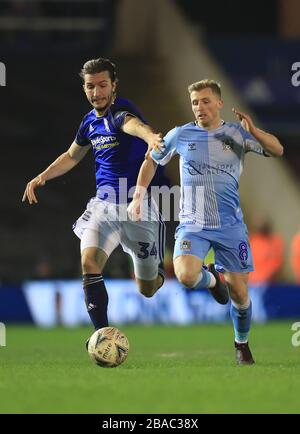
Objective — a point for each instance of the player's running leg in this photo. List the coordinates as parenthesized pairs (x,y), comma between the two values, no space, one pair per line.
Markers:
(93,261)
(99,235)
(145,242)
(191,273)
(241,313)
(96,247)
(151,276)
(149,287)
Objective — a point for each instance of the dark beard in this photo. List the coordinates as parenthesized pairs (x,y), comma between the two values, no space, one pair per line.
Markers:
(103,110)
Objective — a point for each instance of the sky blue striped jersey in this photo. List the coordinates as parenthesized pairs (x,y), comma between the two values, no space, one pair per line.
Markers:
(211,163)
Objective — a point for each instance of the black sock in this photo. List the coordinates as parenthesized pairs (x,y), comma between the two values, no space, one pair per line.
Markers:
(96,299)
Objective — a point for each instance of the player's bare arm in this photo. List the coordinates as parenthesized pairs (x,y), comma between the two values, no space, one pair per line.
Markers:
(135,127)
(146,174)
(60,166)
(269,142)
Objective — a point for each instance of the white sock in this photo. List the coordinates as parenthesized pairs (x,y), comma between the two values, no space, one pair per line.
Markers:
(241,306)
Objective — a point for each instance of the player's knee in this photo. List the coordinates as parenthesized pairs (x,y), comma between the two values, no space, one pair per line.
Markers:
(186,278)
(239,297)
(147,289)
(238,293)
(148,293)
(238,288)
(89,264)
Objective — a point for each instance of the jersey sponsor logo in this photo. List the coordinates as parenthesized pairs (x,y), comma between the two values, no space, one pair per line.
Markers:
(106,146)
(104,142)
(195,168)
(103,139)
(206,169)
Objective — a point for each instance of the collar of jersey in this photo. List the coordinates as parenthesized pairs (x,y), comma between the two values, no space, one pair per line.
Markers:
(210,131)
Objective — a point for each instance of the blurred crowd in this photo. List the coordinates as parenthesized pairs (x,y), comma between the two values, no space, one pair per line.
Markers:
(270,253)
(50,8)
(36,23)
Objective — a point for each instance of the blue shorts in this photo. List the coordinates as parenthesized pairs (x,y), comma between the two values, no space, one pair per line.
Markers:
(230,244)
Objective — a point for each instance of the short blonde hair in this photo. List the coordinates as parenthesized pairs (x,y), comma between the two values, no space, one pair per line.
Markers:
(203,84)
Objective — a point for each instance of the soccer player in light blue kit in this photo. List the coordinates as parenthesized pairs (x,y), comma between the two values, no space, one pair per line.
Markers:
(211,154)
(116,132)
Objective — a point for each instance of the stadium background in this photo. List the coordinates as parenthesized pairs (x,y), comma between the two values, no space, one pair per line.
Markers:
(159,47)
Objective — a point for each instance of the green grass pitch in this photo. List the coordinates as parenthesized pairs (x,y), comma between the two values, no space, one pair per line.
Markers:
(169,370)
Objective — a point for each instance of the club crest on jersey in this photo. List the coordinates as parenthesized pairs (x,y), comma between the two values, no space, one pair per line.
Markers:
(185,245)
(227,145)
(192,146)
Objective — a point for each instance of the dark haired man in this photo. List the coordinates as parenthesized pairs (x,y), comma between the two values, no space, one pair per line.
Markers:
(116,132)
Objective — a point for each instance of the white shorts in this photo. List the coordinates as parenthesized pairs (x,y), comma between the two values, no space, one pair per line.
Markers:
(106,225)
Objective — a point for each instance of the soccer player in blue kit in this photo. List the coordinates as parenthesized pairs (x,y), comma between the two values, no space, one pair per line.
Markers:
(117,133)
(211,155)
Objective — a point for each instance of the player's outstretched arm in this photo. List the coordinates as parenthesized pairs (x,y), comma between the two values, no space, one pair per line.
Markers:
(146,174)
(135,127)
(269,142)
(60,166)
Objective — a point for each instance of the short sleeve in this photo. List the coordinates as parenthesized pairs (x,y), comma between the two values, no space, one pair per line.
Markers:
(119,118)
(250,143)
(81,137)
(122,109)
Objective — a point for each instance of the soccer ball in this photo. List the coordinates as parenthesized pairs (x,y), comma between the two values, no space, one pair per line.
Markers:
(108,347)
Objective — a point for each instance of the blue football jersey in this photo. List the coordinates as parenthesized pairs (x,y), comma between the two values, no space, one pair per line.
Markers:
(118,156)
(211,162)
